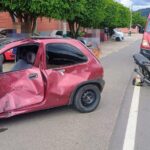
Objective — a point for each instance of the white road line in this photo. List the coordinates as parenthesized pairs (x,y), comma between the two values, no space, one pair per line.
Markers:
(129,141)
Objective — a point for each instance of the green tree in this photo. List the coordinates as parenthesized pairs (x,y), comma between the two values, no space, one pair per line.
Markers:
(72,11)
(27,11)
(85,13)
(117,15)
(138,19)
(95,13)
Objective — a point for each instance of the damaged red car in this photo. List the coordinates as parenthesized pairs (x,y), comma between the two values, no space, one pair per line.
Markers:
(49,73)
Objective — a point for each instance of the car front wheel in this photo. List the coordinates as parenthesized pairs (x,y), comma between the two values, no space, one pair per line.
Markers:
(118,39)
(87,98)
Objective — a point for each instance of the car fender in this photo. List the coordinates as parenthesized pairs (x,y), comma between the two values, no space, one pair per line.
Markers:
(99,82)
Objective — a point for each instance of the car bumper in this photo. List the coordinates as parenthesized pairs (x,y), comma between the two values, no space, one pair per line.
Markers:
(101,83)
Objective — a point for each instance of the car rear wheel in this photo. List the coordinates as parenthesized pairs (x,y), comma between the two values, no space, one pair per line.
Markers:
(118,39)
(87,98)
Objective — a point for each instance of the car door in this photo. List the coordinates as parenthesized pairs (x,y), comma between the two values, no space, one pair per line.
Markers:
(64,65)
(22,88)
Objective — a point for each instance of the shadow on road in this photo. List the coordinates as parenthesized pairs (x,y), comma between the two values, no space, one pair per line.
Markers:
(34,116)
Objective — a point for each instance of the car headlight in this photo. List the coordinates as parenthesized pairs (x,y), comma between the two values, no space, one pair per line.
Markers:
(145,43)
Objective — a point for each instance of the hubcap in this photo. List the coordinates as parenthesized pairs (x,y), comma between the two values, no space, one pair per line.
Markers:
(88,97)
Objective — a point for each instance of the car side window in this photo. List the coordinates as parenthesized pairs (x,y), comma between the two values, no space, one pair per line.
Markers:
(60,54)
(19,58)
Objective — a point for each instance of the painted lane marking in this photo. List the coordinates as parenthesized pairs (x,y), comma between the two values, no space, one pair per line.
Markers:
(129,141)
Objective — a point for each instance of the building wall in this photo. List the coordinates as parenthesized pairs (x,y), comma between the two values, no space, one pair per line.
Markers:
(43,24)
(126,30)
(5,20)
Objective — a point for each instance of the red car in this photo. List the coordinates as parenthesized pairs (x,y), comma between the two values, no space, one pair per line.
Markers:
(8,56)
(50,73)
(145,45)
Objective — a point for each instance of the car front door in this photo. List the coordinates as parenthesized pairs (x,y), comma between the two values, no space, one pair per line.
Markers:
(22,88)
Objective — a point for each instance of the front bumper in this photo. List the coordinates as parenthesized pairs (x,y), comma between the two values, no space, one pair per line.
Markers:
(101,82)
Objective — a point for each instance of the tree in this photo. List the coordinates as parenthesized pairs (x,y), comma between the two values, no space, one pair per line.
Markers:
(117,15)
(85,13)
(95,13)
(27,11)
(138,19)
(72,11)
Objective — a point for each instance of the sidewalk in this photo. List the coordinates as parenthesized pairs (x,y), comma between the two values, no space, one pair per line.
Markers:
(111,46)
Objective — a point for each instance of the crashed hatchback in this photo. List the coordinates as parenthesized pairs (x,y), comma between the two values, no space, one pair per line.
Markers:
(47,73)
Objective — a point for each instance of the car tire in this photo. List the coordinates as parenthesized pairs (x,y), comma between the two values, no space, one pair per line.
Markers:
(87,98)
(118,39)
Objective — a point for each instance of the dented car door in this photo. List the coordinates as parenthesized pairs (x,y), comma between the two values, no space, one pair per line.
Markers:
(21,88)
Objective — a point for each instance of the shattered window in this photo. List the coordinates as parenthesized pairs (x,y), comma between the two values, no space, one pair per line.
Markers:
(60,54)
(18,58)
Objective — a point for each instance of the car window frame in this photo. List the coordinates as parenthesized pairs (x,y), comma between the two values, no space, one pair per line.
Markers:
(21,45)
(64,66)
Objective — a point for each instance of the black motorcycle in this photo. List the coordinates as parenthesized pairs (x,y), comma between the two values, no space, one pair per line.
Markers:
(143,70)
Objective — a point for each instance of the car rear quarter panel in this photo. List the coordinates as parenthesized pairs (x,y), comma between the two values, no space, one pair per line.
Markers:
(62,85)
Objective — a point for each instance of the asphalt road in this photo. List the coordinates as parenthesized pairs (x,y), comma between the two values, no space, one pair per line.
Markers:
(66,129)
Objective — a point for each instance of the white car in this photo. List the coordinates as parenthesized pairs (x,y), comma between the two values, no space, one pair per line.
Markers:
(60,33)
(117,35)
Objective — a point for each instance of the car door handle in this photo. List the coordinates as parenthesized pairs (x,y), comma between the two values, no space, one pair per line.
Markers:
(33,76)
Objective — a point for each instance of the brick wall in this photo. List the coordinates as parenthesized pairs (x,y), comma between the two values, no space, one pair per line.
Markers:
(43,24)
(5,20)
(126,30)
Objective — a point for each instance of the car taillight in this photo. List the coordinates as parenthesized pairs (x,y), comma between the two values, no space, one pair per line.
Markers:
(145,43)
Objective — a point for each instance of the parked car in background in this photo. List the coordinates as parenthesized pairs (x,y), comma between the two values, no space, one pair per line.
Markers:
(50,72)
(145,45)
(2,36)
(117,35)
(7,32)
(61,33)
(8,56)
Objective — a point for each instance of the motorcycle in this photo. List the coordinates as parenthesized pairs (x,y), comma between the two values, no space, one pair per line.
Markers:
(143,70)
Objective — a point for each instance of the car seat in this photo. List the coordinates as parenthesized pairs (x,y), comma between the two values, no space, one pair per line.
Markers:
(24,63)
(30,57)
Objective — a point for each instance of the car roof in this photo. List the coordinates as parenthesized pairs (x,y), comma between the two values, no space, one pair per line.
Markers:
(9,43)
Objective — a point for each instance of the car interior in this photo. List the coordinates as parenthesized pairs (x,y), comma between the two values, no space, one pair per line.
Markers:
(25,57)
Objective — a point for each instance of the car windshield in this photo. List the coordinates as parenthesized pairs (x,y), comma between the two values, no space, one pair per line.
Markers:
(148,26)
